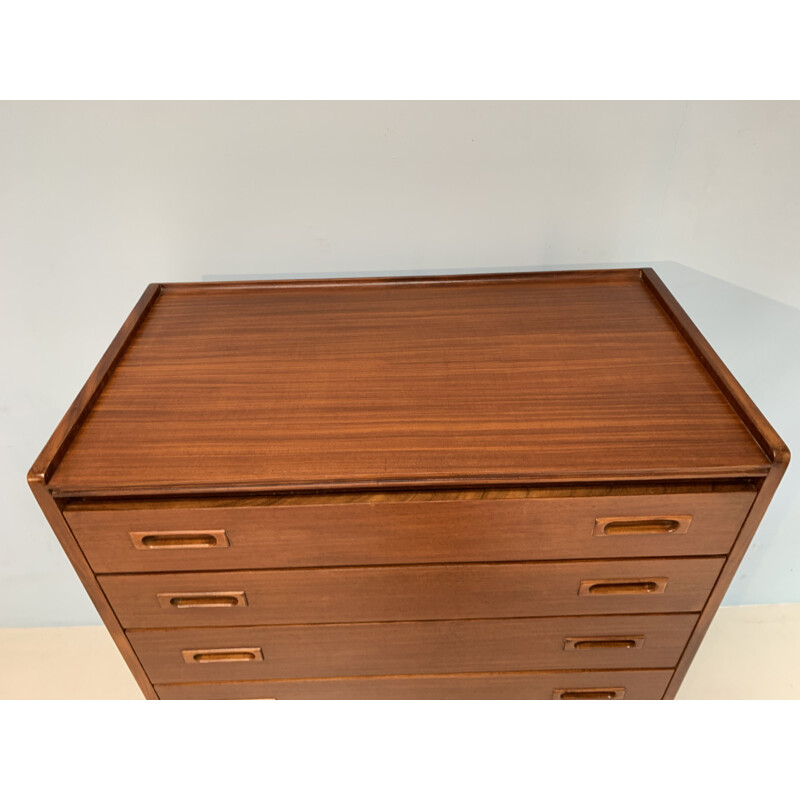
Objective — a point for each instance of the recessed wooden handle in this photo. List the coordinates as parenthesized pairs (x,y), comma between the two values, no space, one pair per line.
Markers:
(589,694)
(604,642)
(227,654)
(643,526)
(202,599)
(624,586)
(161,540)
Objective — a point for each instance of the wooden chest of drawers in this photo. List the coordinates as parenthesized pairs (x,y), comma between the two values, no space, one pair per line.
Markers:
(490,486)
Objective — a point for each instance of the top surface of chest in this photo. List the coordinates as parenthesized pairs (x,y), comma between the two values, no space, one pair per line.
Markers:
(410,382)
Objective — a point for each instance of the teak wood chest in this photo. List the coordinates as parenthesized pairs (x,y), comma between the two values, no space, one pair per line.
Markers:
(530,485)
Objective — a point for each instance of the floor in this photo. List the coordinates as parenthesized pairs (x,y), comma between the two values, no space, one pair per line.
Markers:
(750,652)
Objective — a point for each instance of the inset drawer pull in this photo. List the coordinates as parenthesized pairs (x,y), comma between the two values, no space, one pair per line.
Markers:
(153,540)
(604,642)
(238,654)
(202,599)
(620,526)
(624,586)
(589,694)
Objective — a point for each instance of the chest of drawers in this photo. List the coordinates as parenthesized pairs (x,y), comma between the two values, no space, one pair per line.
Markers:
(533,485)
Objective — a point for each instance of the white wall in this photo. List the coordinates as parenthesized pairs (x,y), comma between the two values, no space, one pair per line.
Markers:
(732,199)
(99,199)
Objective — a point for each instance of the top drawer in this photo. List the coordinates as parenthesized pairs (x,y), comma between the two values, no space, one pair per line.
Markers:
(409,528)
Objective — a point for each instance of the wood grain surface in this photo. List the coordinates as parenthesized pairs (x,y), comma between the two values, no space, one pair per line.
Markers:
(359,452)
(412,529)
(643,684)
(523,378)
(399,648)
(380,594)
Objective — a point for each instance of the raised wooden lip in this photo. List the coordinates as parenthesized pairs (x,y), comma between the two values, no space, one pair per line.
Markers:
(47,461)
(615,275)
(763,433)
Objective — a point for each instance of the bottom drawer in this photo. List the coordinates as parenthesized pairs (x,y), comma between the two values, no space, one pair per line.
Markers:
(646,684)
(201,655)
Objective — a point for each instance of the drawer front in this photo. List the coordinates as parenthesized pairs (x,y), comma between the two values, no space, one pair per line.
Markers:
(187,655)
(648,684)
(384,594)
(213,537)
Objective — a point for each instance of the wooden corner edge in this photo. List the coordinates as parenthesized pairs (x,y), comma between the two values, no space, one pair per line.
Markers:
(766,436)
(51,454)
(35,476)
(55,517)
(748,530)
(782,455)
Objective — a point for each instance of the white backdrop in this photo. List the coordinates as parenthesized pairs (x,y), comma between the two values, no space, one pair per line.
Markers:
(99,199)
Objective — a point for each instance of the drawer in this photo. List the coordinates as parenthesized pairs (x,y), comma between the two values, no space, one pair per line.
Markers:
(381,594)
(645,684)
(433,527)
(189,655)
